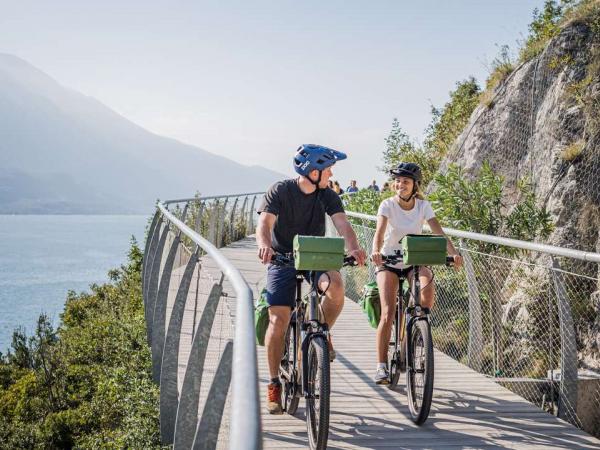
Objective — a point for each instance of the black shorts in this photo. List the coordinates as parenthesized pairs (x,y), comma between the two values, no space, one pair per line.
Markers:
(401,272)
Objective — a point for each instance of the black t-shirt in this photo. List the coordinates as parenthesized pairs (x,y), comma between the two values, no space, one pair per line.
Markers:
(297,212)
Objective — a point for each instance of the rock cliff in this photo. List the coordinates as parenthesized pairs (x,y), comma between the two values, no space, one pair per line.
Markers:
(542,122)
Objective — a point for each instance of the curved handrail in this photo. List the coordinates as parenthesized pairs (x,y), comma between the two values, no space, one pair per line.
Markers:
(245,417)
(195,199)
(514,243)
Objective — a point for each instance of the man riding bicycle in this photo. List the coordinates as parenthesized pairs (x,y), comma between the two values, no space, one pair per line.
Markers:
(291,207)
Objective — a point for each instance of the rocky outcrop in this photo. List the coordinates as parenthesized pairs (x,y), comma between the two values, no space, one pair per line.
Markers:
(543,123)
(536,126)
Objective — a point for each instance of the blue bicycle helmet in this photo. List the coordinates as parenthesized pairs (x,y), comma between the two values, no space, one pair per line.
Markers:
(311,157)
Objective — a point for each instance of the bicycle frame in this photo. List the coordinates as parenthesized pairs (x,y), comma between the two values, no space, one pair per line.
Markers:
(412,313)
(308,329)
(407,316)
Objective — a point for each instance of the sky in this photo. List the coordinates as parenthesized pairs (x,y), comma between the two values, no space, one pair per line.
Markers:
(252,80)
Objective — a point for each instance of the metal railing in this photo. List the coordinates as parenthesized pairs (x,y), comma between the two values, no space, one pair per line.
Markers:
(525,314)
(199,315)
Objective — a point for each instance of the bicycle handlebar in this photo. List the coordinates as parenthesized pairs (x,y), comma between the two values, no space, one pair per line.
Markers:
(397,258)
(279,259)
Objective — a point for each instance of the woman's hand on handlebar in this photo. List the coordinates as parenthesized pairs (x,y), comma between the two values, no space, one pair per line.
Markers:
(377,258)
(265,254)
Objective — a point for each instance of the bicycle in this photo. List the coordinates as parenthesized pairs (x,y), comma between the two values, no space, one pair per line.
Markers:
(307,330)
(411,347)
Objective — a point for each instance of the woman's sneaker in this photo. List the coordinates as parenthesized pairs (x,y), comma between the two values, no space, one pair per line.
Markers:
(274,398)
(382,376)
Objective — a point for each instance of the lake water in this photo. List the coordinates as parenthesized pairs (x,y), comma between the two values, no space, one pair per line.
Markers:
(43,257)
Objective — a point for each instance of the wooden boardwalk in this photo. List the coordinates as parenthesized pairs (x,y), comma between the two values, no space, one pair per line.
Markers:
(469,410)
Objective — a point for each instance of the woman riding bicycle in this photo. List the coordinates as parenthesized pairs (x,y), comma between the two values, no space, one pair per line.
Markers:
(397,216)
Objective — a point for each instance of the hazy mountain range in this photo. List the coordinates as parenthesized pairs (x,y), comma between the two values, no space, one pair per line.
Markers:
(64,152)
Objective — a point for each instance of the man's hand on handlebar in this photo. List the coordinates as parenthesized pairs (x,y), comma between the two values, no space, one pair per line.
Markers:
(265,254)
(359,255)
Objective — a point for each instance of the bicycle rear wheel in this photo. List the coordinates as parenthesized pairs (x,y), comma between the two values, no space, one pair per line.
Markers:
(419,374)
(289,371)
(317,401)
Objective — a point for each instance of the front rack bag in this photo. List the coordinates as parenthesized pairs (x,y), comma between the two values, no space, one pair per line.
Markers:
(318,253)
(423,249)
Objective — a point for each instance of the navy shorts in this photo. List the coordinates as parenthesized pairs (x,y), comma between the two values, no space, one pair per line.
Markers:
(281,285)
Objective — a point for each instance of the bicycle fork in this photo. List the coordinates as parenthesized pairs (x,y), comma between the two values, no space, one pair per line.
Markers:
(307,337)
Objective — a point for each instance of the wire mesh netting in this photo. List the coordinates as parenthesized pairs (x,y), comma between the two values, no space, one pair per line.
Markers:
(531,322)
(221,221)
(541,123)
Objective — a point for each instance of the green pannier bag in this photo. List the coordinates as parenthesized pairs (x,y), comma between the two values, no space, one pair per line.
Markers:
(371,304)
(423,249)
(318,253)
(261,317)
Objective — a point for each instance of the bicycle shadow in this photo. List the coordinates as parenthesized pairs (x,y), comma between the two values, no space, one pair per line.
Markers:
(458,418)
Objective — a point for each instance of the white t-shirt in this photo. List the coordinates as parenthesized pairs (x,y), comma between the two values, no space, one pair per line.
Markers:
(402,222)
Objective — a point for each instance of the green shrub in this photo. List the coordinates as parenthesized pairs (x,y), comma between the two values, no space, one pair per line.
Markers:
(87,384)
(448,122)
(475,204)
(400,148)
(544,26)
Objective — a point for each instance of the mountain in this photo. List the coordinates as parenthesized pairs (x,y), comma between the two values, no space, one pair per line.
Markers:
(64,152)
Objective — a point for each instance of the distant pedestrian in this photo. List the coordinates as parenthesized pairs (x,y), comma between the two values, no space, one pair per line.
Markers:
(352,188)
(373,186)
(386,187)
(337,188)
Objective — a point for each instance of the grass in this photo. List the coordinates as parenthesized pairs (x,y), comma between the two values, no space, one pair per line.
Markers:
(573,150)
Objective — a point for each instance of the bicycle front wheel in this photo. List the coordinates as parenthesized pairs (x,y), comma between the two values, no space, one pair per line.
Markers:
(317,401)
(419,374)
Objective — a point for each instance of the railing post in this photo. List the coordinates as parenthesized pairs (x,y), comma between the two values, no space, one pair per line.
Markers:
(160,311)
(251,216)
(243,218)
(149,258)
(153,281)
(567,403)
(475,350)
(221,223)
(155,220)
(231,219)
(213,218)
(198,225)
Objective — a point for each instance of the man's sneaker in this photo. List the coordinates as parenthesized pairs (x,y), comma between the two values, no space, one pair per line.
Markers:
(382,376)
(274,398)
